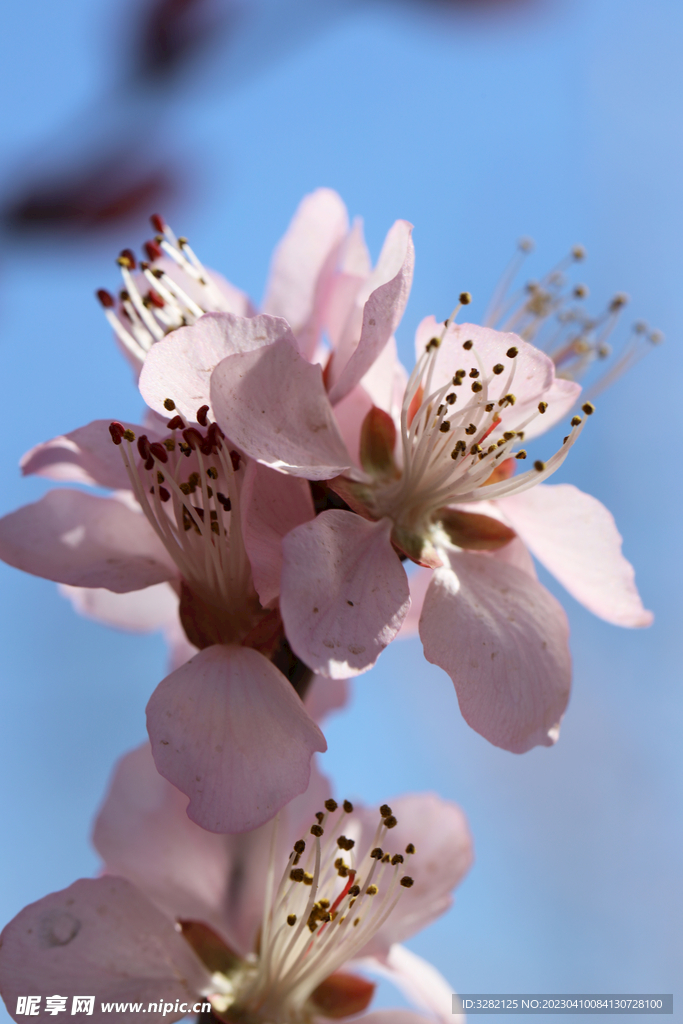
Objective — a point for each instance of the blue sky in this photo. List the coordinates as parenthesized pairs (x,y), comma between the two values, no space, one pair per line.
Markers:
(561,123)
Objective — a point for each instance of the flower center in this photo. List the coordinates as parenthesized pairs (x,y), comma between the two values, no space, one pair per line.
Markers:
(331,899)
(454,440)
(188,486)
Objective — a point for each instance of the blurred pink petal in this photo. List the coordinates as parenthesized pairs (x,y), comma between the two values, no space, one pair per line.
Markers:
(439,832)
(140,611)
(179,367)
(419,982)
(325,696)
(344,592)
(575,537)
(272,505)
(272,404)
(76,538)
(502,638)
(98,936)
(230,732)
(303,264)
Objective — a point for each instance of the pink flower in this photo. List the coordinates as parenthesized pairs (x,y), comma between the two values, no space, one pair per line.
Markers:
(473,396)
(272,923)
(227,727)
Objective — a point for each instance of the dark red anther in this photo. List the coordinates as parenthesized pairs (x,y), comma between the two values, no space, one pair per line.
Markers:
(193,437)
(105,298)
(164,494)
(201,415)
(206,448)
(116,430)
(129,256)
(155,299)
(153,250)
(235,458)
(176,423)
(149,464)
(158,451)
(143,446)
(214,434)
(157,223)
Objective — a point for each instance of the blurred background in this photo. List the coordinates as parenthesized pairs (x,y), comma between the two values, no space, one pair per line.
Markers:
(479,121)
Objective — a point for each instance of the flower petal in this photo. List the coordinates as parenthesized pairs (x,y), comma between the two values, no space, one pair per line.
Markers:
(76,538)
(387,292)
(318,228)
(344,592)
(140,611)
(230,732)
(418,580)
(272,504)
(325,696)
(502,638)
(179,366)
(419,982)
(99,936)
(575,537)
(439,831)
(272,404)
(561,397)
(86,455)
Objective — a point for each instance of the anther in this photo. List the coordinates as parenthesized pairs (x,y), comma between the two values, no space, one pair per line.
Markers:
(177,423)
(153,251)
(317,830)
(143,446)
(164,495)
(477,386)
(153,298)
(465,298)
(506,400)
(126,258)
(509,434)
(201,415)
(348,807)
(578,253)
(158,451)
(291,920)
(371,890)
(169,404)
(320,816)
(407,882)
(397,858)
(308,879)
(297,874)
(299,846)
(157,223)
(498,368)
(451,398)
(618,302)
(467,345)
(521,454)
(539,466)
(471,429)
(489,406)
(512,352)
(588,408)
(105,298)
(116,430)
(580,291)
(390,822)
(474,373)
(225,502)
(235,458)
(377,853)
(476,449)
(576,420)
(410,848)
(345,844)
(354,891)
(212,473)
(542,406)
(331,805)
(432,344)
(445,426)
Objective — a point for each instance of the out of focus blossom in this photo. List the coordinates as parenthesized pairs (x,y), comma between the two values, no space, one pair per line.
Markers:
(274,924)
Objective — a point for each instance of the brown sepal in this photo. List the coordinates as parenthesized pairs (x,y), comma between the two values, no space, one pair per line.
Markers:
(355,494)
(473,531)
(377,443)
(415,547)
(211,949)
(341,995)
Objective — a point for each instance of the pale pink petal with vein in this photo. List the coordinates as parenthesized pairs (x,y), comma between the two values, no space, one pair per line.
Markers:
(382,312)
(419,982)
(72,537)
(230,732)
(502,638)
(99,937)
(273,405)
(272,504)
(179,366)
(575,537)
(344,592)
